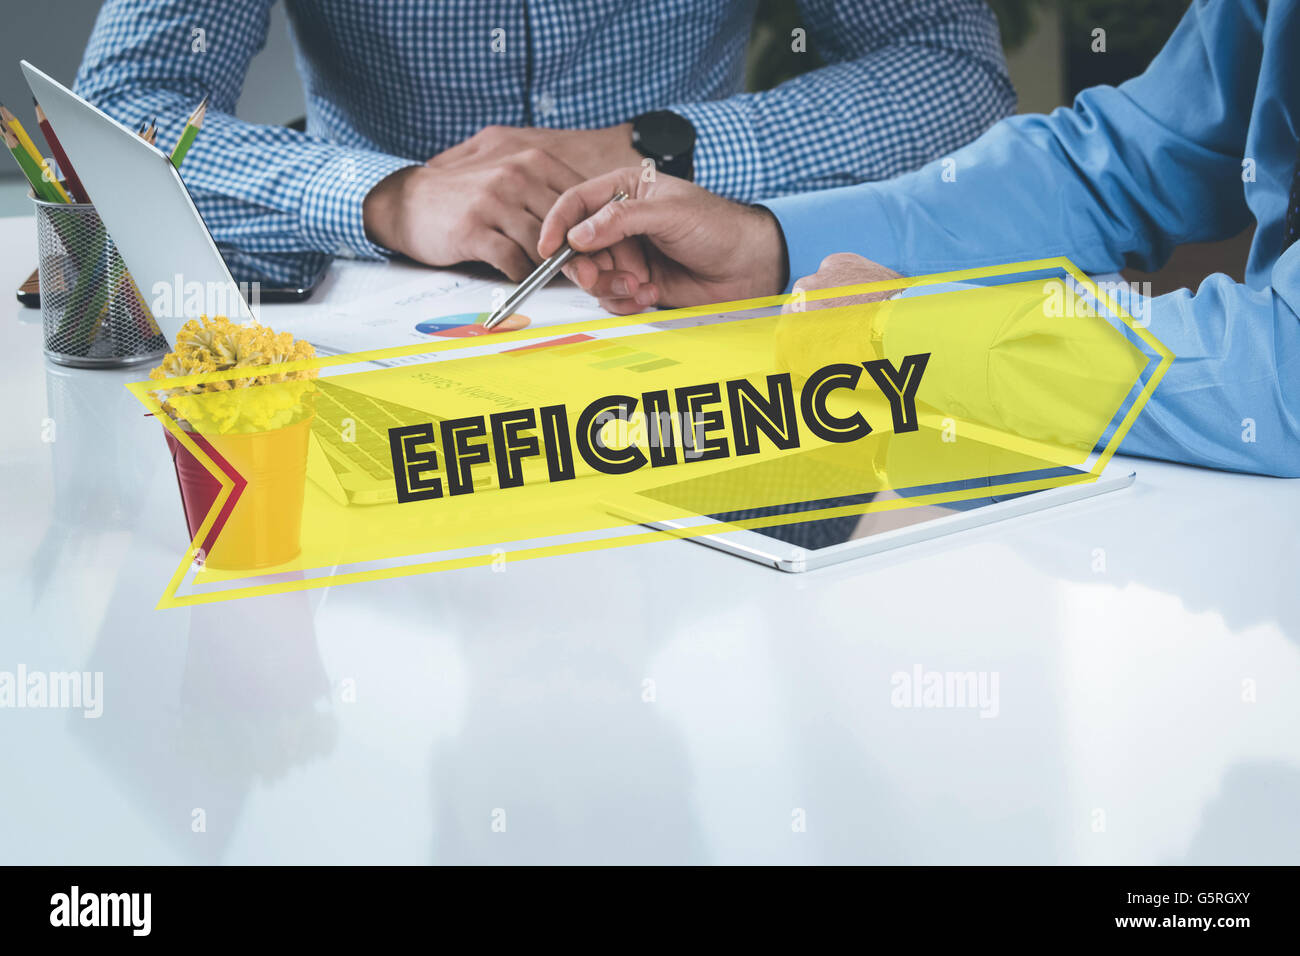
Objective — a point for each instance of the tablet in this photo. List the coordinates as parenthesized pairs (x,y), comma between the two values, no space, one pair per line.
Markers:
(797,546)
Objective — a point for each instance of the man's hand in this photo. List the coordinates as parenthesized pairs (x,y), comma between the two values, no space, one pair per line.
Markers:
(590,152)
(669,243)
(490,213)
(836,271)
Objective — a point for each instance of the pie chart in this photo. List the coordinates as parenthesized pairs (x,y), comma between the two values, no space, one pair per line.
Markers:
(464,324)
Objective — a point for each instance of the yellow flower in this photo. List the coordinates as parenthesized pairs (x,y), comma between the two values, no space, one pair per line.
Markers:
(250,403)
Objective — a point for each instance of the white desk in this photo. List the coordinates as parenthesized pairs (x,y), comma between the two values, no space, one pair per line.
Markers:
(1121,736)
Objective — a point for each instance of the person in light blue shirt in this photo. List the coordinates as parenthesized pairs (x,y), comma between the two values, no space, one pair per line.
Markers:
(1204,141)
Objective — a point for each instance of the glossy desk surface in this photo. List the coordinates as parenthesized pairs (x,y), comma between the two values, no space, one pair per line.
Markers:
(666,703)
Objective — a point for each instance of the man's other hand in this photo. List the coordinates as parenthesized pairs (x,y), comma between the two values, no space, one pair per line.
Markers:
(805,343)
(838,270)
(469,213)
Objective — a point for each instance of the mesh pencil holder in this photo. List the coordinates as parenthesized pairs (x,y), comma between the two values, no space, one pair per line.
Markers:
(92,313)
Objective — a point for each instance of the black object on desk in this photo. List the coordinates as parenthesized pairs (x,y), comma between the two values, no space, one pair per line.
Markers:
(281,276)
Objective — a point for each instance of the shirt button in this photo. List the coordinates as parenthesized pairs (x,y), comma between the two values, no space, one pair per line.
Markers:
(545,104)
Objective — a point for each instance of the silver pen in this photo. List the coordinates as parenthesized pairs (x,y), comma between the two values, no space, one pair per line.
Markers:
(540,277)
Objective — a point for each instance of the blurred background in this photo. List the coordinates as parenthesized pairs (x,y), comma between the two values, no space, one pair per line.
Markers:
(1048,43)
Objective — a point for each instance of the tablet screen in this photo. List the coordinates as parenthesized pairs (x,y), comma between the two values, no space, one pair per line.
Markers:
(775,480)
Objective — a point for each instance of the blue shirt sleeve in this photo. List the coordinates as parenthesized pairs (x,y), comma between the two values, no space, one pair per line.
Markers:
(1231,399)
(1120,179)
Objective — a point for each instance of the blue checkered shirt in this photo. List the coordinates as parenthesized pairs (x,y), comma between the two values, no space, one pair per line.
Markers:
(391,83)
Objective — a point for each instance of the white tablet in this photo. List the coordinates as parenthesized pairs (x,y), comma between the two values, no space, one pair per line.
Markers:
(805,545)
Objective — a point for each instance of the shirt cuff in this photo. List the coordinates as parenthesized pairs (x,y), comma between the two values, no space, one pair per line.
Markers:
(726,158)
(330,216)
(847,219)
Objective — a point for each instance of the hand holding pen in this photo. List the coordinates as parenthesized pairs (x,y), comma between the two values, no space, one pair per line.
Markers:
(671,243)
(542,275)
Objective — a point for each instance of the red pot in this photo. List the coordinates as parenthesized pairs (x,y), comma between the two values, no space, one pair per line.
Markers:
(260,523)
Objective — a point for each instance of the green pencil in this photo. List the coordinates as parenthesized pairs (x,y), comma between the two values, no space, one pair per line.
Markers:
(33,172)
(192,127)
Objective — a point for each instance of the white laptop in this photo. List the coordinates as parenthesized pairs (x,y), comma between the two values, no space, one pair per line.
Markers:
(140,197)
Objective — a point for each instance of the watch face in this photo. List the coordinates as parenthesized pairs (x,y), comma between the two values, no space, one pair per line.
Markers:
(664,136)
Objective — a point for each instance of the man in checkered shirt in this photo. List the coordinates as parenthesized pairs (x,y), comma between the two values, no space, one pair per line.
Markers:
(445,129)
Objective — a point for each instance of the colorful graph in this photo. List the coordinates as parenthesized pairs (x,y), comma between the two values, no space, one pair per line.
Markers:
(463,324)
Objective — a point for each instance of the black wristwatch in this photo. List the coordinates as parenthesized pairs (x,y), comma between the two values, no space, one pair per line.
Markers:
(668,139)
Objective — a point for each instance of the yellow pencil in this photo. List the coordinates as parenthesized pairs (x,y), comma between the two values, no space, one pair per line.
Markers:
(40,188)
(24,140)
(29,147)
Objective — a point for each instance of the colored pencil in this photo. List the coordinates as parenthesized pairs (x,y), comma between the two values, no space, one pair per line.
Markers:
(33,172)
(11,122)
(192,127)
(65,165)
